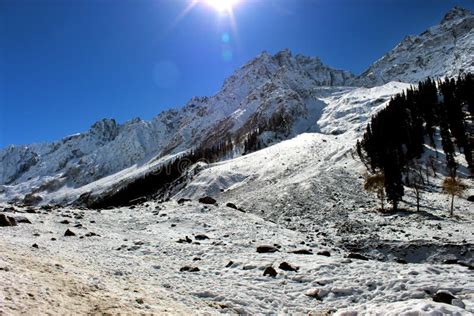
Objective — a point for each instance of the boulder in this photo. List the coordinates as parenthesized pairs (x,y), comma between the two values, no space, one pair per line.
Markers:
(302,252)
(201,237)
(189,269)
(207,200)
(324,253)
(471,198)
(69,233)
(358,256)
(232,205)
(7,220)
(444,297)
(266,249)
(288,267)
(186,240)
(182,201)
(31,199)
(270,271)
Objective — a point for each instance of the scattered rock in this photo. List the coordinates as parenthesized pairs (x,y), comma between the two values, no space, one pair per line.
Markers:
(7,220)
(324,253)
(182,201)
(10,209)
(47,207)
(443,297)
(30,211)
(91,234)
(69,233)
(266,249)
(358,256)
(402,261)
(207,200)
(65,222)
(31,199)
(316,293)
(269,271)
(22,220)
(201,237)
(189,269)
(4,221)
(35,246)
(302,252)
(229,264)
(288,267)
(232,205)
(186,240)
(471,198)
(140,300)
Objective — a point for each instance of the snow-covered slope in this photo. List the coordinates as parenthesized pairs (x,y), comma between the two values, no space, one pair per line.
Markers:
(446,49)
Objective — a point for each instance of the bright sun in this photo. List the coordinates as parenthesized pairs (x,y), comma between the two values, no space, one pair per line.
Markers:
(222,6)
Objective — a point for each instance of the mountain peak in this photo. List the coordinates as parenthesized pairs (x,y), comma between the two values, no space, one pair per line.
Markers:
(456,13)
(442,50)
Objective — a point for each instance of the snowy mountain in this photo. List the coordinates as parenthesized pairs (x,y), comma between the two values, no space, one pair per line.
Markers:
(446,49)
(300,92)
(267,85)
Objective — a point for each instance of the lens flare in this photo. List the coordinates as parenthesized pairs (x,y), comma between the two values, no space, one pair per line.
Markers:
(222,6)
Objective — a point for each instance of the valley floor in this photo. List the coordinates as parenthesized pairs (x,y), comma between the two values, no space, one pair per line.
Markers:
(134,264)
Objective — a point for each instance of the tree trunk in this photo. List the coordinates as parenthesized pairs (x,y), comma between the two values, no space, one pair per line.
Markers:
(417,201)
(452,205)
(382,198)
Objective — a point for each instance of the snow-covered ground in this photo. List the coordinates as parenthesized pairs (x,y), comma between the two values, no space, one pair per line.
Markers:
(304,193)
(134,265)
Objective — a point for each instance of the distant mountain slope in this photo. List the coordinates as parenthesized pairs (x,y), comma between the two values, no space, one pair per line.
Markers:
(446,49)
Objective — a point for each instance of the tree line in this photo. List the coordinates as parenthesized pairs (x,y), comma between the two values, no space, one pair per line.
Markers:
(395,140)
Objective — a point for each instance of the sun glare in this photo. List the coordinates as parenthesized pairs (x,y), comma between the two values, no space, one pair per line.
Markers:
(222,6)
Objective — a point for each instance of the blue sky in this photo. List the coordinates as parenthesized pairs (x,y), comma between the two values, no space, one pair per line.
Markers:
(65,64)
